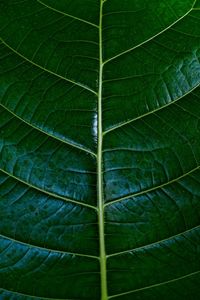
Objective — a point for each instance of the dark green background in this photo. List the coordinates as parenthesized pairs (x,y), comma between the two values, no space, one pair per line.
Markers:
(49,239)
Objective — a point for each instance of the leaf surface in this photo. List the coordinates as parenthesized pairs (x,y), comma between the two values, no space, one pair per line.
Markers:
(99,150)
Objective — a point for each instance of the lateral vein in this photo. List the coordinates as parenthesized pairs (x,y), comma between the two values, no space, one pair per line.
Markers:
(48,134)
(68,15)
(31,296)
(155,285)
(148,40)
(153,244)
(152,189)
(47,249)
(47,70)
(150,112)
(48,193)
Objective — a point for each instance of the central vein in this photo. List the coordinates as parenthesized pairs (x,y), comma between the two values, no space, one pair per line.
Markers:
(104,294)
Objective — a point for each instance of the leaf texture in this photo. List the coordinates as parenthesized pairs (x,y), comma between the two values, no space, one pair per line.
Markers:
(99,150)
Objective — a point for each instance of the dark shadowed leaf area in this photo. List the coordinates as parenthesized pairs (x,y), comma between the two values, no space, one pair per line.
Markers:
(99,150)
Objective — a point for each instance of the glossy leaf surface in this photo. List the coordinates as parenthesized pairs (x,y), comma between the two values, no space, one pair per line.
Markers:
(99,150)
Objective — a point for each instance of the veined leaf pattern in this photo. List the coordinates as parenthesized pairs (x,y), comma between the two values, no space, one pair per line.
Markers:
(99,149)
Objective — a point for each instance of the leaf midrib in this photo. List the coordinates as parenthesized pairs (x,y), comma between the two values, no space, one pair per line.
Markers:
(100,198)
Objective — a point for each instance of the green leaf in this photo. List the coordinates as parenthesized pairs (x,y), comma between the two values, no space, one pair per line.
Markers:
(99,150)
